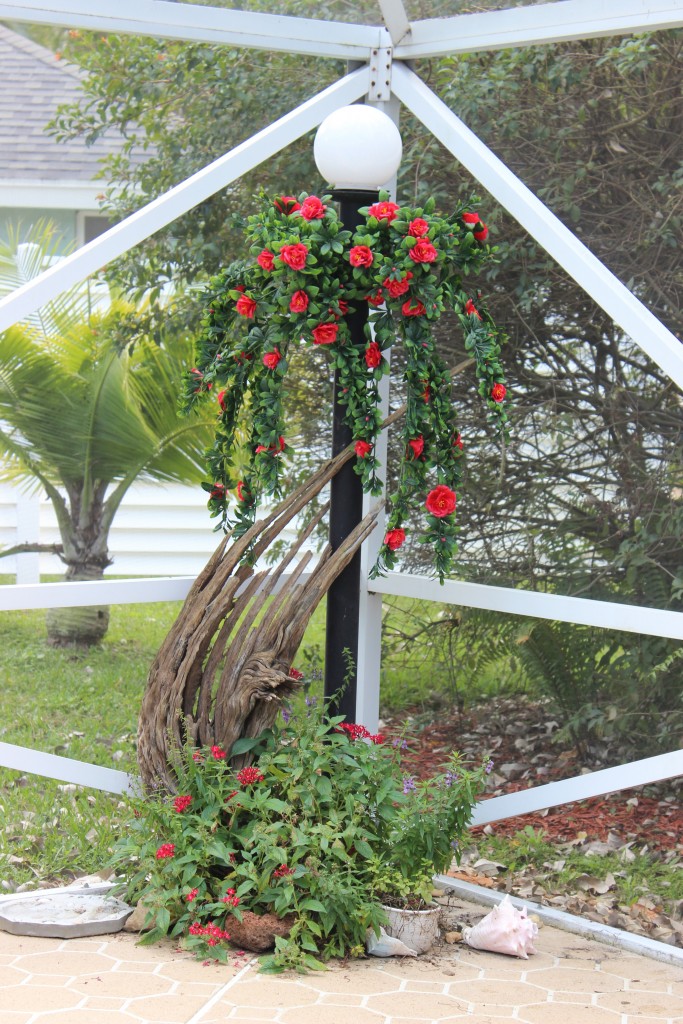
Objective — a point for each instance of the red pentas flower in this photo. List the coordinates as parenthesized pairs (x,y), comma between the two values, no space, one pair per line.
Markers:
(325,334)
(441,501)
(471,309)
(246,306)
(373,355)
(282,871)
(294,255)
(249,775)
(418,227)
(266,259)
(271,359)
(384,211)
(286,204)
(417,445)
(312,208)
(294,673)
(361,256)
(413,307)
(298,302)
(498,392)
(423,252)
(165,851)
(400,287)
(181,803)
(218,753)
(362,449)
(394,539)
(192,895)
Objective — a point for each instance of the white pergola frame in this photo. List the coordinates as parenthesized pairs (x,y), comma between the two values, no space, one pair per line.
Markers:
(383,79)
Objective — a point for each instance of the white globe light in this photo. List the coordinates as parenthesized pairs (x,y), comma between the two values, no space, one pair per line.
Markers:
(357,147)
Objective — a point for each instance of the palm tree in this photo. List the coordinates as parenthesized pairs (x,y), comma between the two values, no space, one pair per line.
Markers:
(83,417)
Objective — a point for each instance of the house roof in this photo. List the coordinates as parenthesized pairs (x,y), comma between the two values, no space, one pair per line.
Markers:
(33,84)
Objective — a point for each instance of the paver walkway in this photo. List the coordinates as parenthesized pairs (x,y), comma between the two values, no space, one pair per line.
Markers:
(110,980)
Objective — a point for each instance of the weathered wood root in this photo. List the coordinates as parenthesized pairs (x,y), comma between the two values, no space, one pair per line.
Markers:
(223,670)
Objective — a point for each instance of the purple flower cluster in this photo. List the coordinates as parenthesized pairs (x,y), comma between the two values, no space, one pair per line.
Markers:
(409,784)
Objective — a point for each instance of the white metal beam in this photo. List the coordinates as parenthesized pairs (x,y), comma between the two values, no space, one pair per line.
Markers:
(600,283)
(581,787)
(536,25)
(198,23)
(395,19)
(178,200)
(555,607)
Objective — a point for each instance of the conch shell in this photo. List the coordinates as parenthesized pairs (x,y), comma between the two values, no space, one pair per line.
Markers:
(504,930)
(385,945)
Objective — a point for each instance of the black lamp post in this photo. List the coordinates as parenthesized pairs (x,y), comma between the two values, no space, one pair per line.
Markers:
(358,148)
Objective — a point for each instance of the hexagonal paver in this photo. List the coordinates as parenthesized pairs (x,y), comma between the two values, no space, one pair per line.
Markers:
(267,992)
(426,1006)
(566,1013)
(636,1004)
(567,979)
(174,1009)
(329,1015)
(66,964)
(124,985)
(487,992)
(35,1000)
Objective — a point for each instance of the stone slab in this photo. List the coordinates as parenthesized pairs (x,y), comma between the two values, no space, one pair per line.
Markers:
(64,915)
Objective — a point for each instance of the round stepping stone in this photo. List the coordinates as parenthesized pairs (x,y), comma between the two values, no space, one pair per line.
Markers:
(65,915)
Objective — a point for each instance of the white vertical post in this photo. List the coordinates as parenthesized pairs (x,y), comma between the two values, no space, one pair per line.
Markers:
(28,532)
(370,620)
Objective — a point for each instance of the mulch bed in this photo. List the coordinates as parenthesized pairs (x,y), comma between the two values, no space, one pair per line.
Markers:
(521,738)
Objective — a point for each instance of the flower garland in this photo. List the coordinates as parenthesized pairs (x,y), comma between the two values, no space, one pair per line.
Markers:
(305,274)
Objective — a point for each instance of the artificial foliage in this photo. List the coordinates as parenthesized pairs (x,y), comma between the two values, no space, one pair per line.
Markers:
(305,273)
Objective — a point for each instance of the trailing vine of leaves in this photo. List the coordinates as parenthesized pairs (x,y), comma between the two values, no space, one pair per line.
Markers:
(304,274)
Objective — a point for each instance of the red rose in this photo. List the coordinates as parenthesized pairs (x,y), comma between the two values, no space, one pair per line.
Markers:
(423,252)
(413,307)
(384,211)
(457,443)
(418,227)
(361,256)
(373,355)
(418,446)
(325,334)
(294,255)
(343,307)
(362,448)
(286,204)
(481,234)
(298,302)
(498,392)
(242,493)
(441,501)
(245,306)
(397,288)
(394,539)
(274,449)
(471,218)
(220,398)
(265,259)
(294,673)
(217,491)
(312,208)
(271,359)
(427,394)
(375,300)
(471,309)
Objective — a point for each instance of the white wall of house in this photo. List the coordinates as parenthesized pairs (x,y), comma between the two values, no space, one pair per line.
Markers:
(160,530)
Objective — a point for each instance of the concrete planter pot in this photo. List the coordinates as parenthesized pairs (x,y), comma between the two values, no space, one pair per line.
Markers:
(418,929)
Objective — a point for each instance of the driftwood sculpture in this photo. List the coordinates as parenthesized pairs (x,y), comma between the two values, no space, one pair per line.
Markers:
(223,670)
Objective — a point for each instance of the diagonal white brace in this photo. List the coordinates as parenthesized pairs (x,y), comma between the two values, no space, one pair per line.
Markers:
(581,787)
(52,766)
(178,200)
(597,281)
